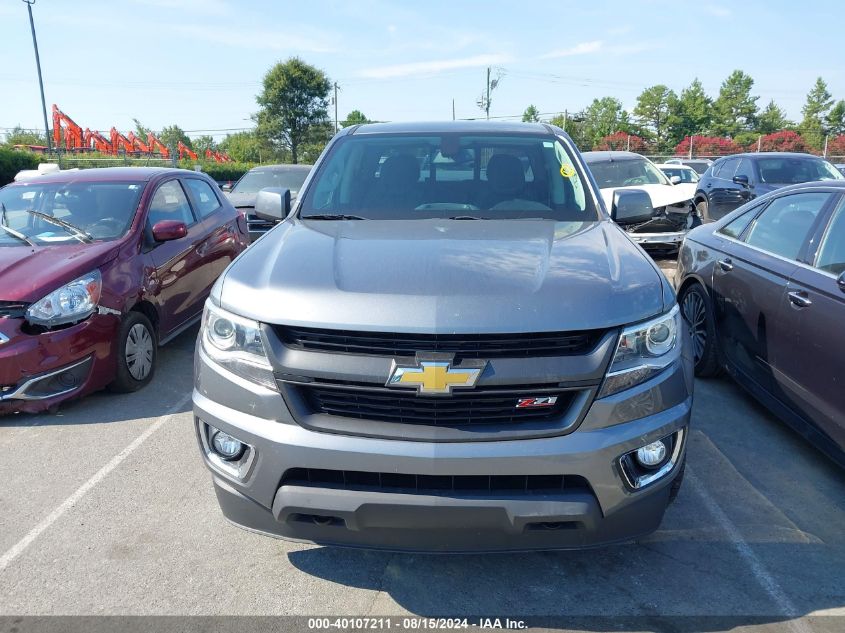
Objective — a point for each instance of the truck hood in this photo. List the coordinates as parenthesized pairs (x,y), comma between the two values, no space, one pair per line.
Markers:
(661,195)
(29,273)
(444,276)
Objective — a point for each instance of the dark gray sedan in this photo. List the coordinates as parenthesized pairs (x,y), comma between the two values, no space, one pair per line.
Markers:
(763,291)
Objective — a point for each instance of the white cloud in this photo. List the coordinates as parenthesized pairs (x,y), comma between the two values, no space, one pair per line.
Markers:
(584,48)
(432,67)
(717,10)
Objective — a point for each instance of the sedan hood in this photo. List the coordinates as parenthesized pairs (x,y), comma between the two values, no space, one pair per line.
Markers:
(661,195)
(29,273)
(444,276)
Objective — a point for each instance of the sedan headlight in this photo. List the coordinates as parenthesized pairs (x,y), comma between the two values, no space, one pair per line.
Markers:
(72,302)
(643,351)
(237,344)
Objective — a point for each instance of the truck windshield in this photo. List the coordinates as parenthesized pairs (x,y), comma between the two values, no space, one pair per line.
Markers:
(257,179)
(56,213)
(400,177)
(626,172)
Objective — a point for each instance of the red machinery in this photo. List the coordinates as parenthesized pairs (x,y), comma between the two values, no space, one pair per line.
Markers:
(220,157)
(118,141)
(137,144)
(72,132)
(92,139)
(156,144)
(184,150)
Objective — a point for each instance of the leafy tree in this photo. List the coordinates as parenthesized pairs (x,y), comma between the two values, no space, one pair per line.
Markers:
(603,117)
(531,114)
(835,119)
(356,117)
(316,138)
(772,119)
(819,102)
(690,113)
(247,147)
(293,99)
(735,109)
(836,146)
(20,136)
(784,141)
(141,130)
(653,111)
(202,143)
(172,134)
(622,141)
(575,126)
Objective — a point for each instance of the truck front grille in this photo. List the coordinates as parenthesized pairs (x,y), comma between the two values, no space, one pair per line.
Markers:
(478,407)
(433,484)
(462,345)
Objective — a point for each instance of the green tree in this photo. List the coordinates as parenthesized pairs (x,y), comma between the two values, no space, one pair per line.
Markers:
(835,119)
(531,114)
(690,114)
(356,117)
(772,119)
(141,131)
(202,143)
(653,112)
(19,136)
(247,147)
(602,117)
(294,98)
(819,102)
(172,134)
(735,109)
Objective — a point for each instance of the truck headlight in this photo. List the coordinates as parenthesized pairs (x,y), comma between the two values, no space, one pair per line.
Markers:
(643,351)
(237,344)
(72,302)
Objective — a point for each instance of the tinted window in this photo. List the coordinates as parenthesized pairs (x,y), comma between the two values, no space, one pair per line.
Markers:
(257,179)
(626,173)
(831,257)
(726,169)
(170,203)
(104,210)
(686,175)
(205,200)
(735,227)
(783,226)
(791,170)
(745,169)
(393,176)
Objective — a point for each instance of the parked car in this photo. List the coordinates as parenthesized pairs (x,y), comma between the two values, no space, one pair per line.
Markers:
(97,268)
(840,167)
(734,180)
(699,165)
(672,210)
(242,195)
(483,361)
(679,173)
(763,292)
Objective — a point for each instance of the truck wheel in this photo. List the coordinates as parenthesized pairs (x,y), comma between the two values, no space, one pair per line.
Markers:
(136,354)
(698,314)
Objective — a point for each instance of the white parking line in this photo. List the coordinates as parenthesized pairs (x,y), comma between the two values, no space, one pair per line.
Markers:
(18,548)
(764,578)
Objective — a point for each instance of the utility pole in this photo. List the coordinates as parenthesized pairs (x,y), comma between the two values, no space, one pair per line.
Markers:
(759,143)
(826,137)
(29,4)
(335,108)
(453,109)
(487,105)
(691,138)
(565,117)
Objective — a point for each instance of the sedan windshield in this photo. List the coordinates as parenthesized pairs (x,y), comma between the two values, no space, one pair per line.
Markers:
(626,173)
(257,179)
(453,176)
(785,171)
(52,213)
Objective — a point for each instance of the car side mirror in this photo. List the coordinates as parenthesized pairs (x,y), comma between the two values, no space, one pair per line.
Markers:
(675,180)
(741,180)
(226,187)
(840,281)
(167,230)
(631,206)
(273,203)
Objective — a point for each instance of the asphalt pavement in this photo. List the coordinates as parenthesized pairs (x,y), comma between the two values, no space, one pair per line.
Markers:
(107,509)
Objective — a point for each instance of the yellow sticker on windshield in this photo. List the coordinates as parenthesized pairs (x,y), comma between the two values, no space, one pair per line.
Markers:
(567,171)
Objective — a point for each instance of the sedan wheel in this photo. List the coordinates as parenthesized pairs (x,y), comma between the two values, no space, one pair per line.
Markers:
(695,315)
(139,352)
(135,351)
(695,308)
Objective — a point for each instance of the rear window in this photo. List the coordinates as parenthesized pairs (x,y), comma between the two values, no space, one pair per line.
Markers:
(787,171)
(394,176)
(257,179)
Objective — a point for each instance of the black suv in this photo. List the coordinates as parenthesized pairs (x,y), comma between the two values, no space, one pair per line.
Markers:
(734,180)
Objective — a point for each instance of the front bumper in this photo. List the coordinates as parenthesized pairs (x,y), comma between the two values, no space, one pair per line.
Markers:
(38,371)
(671,238)
(600,509)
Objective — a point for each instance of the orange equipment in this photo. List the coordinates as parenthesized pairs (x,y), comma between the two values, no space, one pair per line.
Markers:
(118,141)
(185,150)
(156,144)
(72,135)
(137,144)
(99,142)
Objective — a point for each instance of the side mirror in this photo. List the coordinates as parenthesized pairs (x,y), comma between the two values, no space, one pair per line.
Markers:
(226,187)
(675,180)
(273,203)
(167,230)
(631,206)
(840,281)
(741,180)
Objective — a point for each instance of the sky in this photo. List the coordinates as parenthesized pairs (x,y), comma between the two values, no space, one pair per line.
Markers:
(199,63)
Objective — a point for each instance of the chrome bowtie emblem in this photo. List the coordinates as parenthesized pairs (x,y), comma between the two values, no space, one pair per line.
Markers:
(435,376)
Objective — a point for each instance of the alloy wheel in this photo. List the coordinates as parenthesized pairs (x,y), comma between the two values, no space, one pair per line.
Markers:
(695,314)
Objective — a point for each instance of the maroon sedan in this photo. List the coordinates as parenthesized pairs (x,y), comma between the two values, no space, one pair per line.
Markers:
(99,267)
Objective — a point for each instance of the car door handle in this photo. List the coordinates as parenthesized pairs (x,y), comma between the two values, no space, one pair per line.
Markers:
(800,299)
(726,265)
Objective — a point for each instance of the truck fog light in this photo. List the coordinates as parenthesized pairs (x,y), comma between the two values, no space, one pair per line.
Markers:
(651,455)
(225,445)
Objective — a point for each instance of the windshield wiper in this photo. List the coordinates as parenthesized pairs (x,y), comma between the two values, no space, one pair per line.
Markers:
(78,233)
(14,233)
(332,216)
(466,217)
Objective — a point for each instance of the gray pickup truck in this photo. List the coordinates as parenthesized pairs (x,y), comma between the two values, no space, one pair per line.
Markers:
(447,345)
